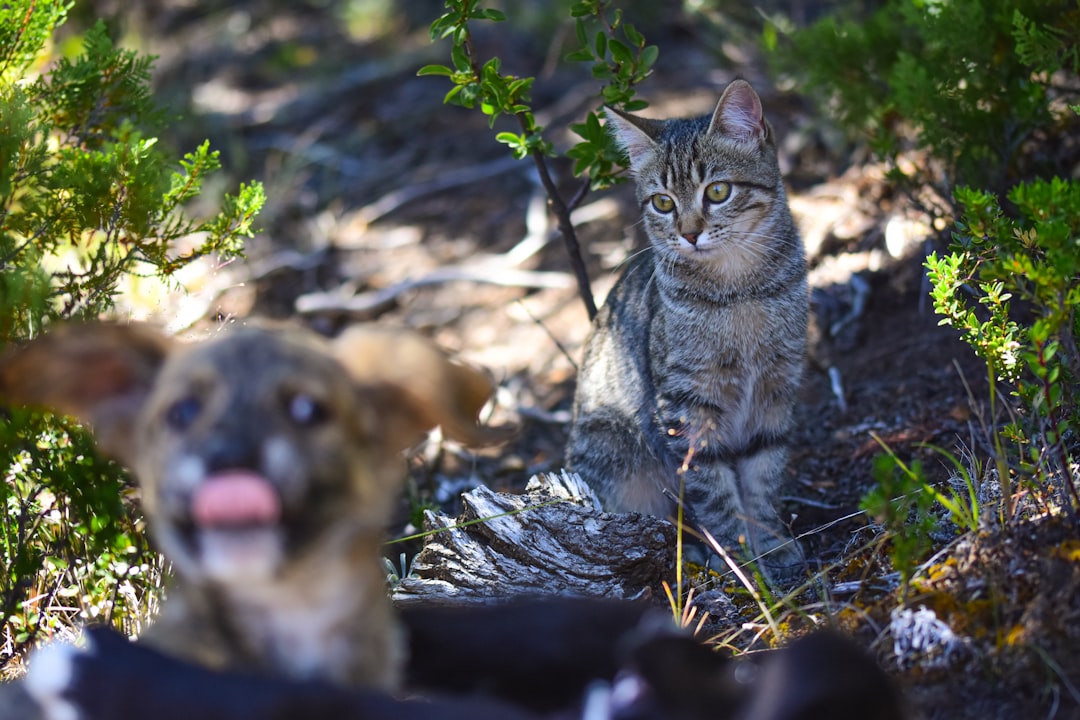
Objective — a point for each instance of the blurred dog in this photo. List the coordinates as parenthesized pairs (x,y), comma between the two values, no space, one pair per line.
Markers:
(268,460)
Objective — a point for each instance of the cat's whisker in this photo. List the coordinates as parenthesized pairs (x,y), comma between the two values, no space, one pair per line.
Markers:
(773,238)
(630,257)
(750,239)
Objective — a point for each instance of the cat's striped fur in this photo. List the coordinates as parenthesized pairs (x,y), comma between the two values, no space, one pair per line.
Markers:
(693,365)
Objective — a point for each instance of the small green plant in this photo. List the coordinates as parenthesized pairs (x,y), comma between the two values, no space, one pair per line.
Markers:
(620,60)
(395,573)
(902,500)
(73,549)
(1032,259)
(899,502)
(87,197)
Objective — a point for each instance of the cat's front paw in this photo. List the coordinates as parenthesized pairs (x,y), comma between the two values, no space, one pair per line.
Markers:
(782,562)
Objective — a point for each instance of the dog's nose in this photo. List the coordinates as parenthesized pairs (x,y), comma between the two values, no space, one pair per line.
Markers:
(230,449)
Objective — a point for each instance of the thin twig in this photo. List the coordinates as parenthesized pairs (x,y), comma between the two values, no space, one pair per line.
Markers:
(547,331)
(566,226)
(558,206)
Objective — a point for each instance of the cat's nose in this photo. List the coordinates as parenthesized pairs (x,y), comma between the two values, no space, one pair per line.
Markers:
(691,237)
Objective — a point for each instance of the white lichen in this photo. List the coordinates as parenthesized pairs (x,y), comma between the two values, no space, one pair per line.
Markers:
(921,639)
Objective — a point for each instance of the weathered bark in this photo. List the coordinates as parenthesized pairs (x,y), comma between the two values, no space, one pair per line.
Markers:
(552,540)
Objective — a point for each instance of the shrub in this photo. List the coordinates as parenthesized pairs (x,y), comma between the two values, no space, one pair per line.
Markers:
(1032,258)
(87,197)
(970,101)
(967,86)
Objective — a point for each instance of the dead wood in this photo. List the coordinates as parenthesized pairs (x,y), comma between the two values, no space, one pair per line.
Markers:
(368,305)
(552,540)
(447,179)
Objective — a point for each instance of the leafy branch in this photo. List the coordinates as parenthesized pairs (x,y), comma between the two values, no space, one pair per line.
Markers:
(621,59)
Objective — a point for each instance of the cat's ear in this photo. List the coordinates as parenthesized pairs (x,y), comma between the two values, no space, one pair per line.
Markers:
(637,136)
(738,115)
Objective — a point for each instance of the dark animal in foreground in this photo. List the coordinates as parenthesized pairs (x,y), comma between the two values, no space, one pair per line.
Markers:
(528,660)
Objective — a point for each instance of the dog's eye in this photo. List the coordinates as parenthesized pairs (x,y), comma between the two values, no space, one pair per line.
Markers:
(306,410)
(182,413)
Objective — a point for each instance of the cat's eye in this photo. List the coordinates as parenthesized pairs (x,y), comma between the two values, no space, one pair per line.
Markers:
(183,413)
(305,410)
(663,203)
(718,192)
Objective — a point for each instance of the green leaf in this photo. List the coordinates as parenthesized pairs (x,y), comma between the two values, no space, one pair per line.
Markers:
(434,70)
(649,56)
(601,44)
(601,72)
(444,26)
(621,52)
(594,129)
(461,59)
(452,96)
(581,9)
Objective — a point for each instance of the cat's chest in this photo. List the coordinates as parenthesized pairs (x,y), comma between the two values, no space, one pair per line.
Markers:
(714,344)
(715,368)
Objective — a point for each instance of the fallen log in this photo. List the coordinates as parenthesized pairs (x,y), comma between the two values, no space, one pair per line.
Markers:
(553,539)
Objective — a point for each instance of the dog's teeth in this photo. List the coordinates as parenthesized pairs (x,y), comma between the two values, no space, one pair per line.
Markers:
(240,554)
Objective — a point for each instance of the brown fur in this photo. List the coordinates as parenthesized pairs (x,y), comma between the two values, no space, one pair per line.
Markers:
(321,422)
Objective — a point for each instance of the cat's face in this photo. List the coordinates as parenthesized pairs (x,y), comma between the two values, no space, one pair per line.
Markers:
(709,187)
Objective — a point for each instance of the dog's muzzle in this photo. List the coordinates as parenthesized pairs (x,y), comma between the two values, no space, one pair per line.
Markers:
(235,531)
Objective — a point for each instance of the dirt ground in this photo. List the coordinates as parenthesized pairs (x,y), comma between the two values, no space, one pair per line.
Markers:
(386,206)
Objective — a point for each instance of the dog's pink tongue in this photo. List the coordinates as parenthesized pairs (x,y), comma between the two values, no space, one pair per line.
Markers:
(235,498)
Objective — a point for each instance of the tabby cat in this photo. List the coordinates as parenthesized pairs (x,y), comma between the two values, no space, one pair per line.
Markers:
(693,365)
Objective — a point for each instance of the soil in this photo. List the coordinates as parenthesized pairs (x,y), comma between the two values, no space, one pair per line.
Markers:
(373,182)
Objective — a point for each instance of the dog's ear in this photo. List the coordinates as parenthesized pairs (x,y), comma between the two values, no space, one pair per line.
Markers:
(100,373)
(416,386)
